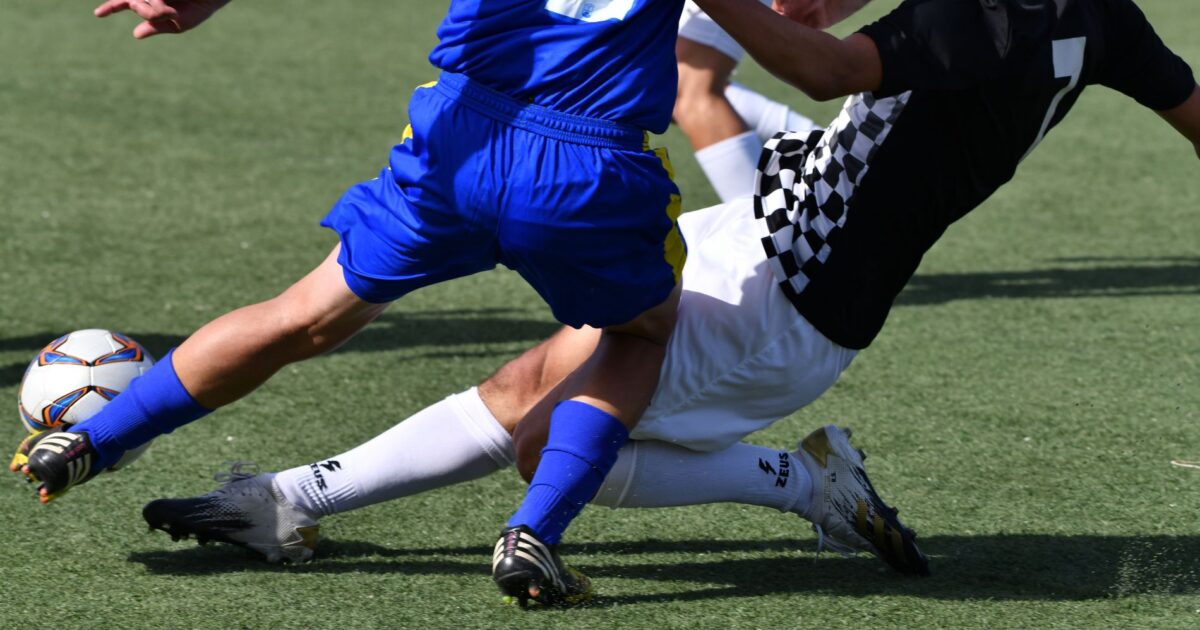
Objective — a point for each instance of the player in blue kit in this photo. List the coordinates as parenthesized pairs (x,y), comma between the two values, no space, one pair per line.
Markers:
(530,150)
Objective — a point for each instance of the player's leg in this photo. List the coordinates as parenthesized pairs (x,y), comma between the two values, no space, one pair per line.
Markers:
(232,355)
(460,438)
(457,439)
(764,116)
(718,116)
(726,149)
(412,226)
(823,480)
(223,361)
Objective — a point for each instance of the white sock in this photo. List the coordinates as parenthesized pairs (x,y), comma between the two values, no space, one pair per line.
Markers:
(449,442)
(765,116)
(730,163)
(650,474)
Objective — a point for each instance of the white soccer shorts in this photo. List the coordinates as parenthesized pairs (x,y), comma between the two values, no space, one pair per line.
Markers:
(695,25)
(741,357)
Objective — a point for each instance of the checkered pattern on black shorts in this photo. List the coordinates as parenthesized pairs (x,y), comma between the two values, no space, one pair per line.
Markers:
(806,182)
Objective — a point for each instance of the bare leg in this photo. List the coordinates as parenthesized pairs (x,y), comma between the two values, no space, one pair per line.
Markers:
(232,355)
(526,382)
(701,109)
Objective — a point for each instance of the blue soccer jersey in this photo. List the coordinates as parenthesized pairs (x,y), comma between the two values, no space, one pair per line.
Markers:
(605,59)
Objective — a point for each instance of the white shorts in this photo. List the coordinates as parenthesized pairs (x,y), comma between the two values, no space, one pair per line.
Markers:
(696,26)
(741,357)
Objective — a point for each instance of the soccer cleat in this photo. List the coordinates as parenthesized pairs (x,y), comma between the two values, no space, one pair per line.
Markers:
(248,511)
(57,459)
(525,568)
(847,513)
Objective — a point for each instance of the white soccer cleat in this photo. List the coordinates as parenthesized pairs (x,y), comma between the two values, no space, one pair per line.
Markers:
(248,511)
(847,513)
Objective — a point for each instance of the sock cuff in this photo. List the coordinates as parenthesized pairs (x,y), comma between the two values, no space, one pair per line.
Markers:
(153,404)
(479,422)
(586,432)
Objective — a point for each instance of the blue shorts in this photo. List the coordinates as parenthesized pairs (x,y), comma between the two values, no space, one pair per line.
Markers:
(581,208)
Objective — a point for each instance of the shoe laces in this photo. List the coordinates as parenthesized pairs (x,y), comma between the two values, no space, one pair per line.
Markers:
(238,471)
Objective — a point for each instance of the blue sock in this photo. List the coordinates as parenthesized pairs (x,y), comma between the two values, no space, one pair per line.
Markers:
(580,451)
(154,403)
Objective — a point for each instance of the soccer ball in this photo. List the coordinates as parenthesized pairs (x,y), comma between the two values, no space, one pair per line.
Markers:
(77,374)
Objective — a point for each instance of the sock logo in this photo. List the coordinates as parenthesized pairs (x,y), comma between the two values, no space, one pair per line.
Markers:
(330,465)
(765,466)
(785,469)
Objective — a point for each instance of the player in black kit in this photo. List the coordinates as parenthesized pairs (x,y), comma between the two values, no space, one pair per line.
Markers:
(951,96)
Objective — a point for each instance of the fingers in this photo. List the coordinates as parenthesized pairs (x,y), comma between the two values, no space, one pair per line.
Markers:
(159,17)
(110,7)
(163,26)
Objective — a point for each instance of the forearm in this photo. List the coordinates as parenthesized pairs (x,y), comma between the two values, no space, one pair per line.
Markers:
(1186,119)
(819,64)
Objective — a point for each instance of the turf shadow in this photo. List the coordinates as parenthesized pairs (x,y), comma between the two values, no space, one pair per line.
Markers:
(1103,277)
(1027,567)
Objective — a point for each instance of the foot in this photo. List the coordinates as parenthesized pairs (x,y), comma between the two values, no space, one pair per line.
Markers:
(57,459)
(248,511)
(846,512)
(525,568)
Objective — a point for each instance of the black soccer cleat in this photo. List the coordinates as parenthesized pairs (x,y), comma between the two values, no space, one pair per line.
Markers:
(525,568)
(248,511)
(59,460)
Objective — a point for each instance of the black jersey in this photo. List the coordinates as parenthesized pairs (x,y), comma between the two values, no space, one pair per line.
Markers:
(969,88)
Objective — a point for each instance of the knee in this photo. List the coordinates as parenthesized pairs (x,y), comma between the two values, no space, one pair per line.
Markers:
(528,447)
(699,91)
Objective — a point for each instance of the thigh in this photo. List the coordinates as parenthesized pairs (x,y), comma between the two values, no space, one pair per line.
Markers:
(741,357)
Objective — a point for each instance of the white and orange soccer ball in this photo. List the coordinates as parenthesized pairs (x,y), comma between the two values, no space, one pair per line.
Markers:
(77,374)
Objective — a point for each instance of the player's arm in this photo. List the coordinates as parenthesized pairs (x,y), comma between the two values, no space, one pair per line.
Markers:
(819,64)
(1186,118)
(1138,64)
(162,16)
(818,13)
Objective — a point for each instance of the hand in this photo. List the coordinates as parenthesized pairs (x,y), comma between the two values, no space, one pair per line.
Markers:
(162,16)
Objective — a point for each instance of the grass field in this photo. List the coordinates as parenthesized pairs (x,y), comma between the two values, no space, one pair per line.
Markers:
(1022,406)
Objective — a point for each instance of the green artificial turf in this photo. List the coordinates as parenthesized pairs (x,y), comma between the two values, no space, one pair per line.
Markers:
(1021,407)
